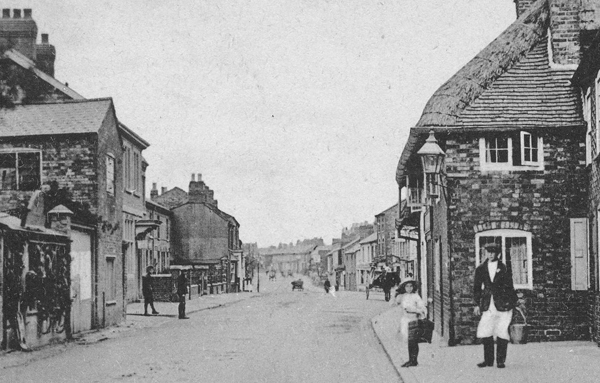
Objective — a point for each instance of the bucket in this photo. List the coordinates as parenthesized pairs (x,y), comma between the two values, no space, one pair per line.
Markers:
(518,331)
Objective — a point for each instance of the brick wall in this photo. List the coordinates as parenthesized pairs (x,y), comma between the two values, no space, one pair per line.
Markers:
(110,288)
(69,161)
(565,28)
(541,202)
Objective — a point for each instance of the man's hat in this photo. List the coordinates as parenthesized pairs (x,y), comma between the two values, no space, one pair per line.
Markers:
(493,248)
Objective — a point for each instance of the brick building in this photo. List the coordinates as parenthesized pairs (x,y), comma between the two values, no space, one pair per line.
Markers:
(587,78)
(204,234)
(511,126)
(77,146)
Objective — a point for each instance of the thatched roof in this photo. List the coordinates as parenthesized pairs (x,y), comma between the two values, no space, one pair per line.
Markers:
(446,104)
(508,85)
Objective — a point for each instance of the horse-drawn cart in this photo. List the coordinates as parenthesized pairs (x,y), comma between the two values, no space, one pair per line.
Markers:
(382,281)
(298,285)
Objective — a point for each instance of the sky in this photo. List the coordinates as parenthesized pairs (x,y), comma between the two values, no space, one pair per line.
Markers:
(294,112)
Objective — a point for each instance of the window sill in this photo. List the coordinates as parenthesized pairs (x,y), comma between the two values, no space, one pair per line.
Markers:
(510,168)
(111,303)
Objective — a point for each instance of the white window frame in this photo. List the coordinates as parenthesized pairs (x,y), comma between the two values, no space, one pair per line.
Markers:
(504,233)
(531,148)
(508,166)
(110,174)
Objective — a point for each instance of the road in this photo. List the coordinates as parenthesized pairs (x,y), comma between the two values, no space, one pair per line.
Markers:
(280,336)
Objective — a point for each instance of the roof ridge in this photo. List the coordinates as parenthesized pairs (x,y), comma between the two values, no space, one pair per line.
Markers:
(466,85)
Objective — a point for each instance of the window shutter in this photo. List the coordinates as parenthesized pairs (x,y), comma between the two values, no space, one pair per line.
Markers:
(579,254)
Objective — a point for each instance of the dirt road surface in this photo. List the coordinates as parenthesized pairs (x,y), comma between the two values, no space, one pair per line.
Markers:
(280,336)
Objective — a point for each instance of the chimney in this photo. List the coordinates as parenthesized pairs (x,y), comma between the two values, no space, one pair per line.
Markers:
(19,33)
(193,177)
(199,176)
(163,190)
(153,191)
(522,6)
(45,55)
(565,31)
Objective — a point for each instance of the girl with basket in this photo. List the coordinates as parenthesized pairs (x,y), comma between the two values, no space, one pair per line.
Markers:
(412,309)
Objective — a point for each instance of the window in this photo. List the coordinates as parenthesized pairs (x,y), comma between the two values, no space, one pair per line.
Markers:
(496,150)
(529,149)
(579,254)
(167,228)
(127,168)
(110,174)
(516,253)
(590,138)
(511,151)
(111,286)
(20,170)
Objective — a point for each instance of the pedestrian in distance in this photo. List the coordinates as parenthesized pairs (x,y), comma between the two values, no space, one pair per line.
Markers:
(148,291)
(412,308)
(495,299)
(327,286)
(182,290)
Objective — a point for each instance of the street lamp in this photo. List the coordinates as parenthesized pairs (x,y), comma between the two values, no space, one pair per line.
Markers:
(432,158)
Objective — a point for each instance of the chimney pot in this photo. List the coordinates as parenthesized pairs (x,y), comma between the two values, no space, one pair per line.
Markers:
(16,13)
(27,12)
(199,177)
(193,177)
(153,185)
(6,13)
(45,38)
(163,190)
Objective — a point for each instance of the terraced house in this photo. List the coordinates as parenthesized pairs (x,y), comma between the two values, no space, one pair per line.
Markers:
(511,129)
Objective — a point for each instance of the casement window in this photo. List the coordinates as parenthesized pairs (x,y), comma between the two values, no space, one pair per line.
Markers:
(579,254)
(590,137)
(521,150)
(516,253)
(110,174)
(111,284)
(20,169)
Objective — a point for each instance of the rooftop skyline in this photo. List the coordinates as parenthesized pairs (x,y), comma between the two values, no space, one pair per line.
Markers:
(294,113)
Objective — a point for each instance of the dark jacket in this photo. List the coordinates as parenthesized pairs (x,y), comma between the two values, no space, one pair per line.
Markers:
(182,284)
(147,289)
(505,297)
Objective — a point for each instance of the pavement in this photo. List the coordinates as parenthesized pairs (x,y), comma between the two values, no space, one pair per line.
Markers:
(573,361)
(135,320)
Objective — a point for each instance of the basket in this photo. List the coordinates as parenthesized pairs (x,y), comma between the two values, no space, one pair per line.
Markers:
(518,331)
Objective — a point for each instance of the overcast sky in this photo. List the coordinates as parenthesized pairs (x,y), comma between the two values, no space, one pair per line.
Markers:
(295,112)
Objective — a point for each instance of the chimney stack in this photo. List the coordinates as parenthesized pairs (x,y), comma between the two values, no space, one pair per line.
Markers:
(153,191)
(19,33)
(163,190)
(193,177)
(199,176)
(45,38)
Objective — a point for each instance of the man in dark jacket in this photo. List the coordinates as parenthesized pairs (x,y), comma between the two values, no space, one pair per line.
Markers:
(495,297)
(148,291)
(182,289)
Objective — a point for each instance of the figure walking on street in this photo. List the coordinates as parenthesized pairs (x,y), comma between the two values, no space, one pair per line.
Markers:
(412,309)
(327,286)
(495,299)
(148,291)
(182,290)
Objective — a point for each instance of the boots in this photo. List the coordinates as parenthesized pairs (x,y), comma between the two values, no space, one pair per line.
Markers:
(413,353)
(488,352)
(501,349)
